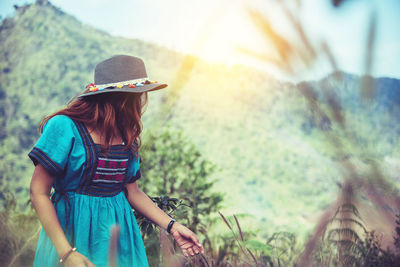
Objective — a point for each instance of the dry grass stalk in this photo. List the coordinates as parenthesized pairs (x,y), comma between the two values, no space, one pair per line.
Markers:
(281,45)
(13,261)
(311,52)
(238,226)
(252,256)
(241,244)
(112,251)
(225,220)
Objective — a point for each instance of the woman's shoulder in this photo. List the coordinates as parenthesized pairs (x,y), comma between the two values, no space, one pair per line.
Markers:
(60,123)
(60,119)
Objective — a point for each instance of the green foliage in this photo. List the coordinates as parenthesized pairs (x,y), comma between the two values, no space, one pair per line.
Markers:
(242,249)
(165,203)
(284,248)
(172,166)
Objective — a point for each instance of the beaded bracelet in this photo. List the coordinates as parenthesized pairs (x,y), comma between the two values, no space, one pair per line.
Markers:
(170,225)
(63,258)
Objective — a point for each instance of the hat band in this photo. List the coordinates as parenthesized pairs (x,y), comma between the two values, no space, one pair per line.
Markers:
(141,80)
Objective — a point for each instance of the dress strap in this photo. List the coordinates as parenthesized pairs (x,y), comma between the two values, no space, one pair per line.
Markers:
(91,158)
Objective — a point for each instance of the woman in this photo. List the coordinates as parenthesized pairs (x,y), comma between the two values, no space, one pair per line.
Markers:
(88,152)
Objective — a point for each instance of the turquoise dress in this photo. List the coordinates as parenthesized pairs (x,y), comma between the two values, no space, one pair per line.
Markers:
(88,194)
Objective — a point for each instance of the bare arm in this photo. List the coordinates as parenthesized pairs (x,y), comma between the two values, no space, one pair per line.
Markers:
(40,188)
(186,239)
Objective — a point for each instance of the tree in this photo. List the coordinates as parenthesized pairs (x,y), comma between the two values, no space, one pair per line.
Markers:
(172,166)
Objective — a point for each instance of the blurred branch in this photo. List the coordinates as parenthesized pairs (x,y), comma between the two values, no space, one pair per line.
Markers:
(367,82)
(282,46)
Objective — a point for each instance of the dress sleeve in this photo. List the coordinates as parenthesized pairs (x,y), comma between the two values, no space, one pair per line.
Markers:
(134,169)
(53,148)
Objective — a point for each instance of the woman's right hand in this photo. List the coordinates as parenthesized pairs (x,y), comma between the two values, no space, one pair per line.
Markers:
(76,259)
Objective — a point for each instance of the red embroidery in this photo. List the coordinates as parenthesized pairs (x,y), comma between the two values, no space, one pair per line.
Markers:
(110,170)
(101,163)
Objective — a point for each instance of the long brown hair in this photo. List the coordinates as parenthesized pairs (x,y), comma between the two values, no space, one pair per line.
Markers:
(108,112)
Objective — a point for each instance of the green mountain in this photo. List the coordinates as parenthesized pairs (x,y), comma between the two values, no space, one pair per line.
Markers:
(273,151)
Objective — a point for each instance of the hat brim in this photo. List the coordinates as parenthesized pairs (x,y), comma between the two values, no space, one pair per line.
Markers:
(127,89)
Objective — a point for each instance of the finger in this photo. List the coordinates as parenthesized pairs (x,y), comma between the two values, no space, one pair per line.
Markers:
(195,239)
(200,248)
(196,250)
(185,252)
(190,250)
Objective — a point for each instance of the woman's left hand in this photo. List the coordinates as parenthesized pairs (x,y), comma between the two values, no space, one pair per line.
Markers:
(186,240)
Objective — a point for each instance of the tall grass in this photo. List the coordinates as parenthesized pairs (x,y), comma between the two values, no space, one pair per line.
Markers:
(19,233)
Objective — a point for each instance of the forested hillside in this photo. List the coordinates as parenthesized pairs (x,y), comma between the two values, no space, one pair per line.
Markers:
(270,147)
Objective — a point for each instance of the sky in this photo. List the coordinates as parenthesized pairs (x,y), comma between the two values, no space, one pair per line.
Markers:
(216,29)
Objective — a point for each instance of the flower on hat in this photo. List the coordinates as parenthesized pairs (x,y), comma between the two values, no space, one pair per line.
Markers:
(90,85)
